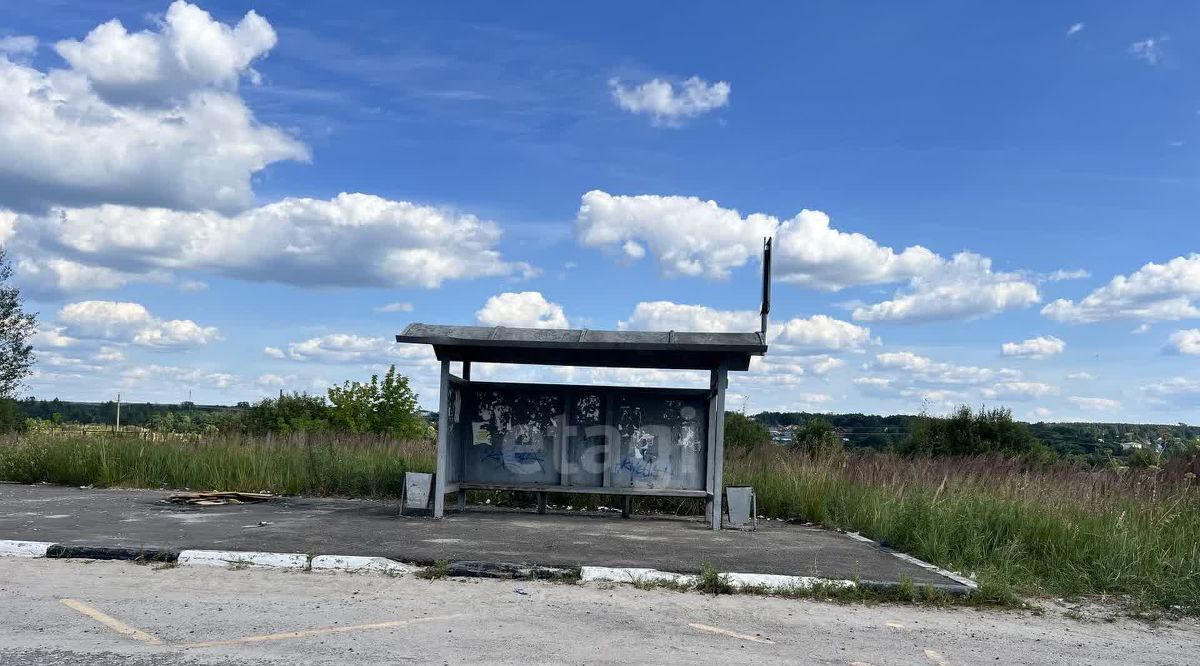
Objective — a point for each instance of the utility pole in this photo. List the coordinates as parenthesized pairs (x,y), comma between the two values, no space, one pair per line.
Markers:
(118,412)
(766,286)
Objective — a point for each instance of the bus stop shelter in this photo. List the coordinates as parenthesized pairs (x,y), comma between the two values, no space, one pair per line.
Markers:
(566,438)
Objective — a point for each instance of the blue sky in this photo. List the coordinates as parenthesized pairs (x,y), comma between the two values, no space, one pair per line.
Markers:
(972,202)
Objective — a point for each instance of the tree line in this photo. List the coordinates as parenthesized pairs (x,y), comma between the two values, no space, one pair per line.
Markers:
(383,405)
(967,432)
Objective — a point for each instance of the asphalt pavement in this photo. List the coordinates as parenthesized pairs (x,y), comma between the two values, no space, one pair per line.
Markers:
(81,612)
(143,519)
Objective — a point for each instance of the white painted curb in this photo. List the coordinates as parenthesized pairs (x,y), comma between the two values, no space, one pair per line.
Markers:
(633,575)
(958,578)
(769,582)
(225,558)
(782,583)
(961,580)
(357,564)
(23,548)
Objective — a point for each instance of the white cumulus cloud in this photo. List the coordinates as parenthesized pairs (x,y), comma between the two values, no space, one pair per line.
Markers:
(144,377)
(149,118)
(1095,404)
(51,277)
(350,240)
(689,237)
(1018,390)
(696,238)
(963,288)
(924,370)
(525,309)
(1185,341)
(1155,292)
(1177,391)
(131,323)
(351,348)
(670,316)
(812,335)
(188,51)
(395,307)
(1043,346)
(1149,49)
(18,45)
(1063,274)
(668,103)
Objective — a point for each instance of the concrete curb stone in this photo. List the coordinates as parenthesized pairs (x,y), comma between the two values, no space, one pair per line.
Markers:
(458,568)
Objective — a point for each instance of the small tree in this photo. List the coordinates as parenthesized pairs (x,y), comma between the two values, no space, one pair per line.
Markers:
(965,432)
(289,413)
(387,407)
(743,432)
(11,417)
(1143,457)
(815,436)
(16,327)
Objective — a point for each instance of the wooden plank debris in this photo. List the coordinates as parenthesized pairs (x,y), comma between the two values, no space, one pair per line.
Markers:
(217,498)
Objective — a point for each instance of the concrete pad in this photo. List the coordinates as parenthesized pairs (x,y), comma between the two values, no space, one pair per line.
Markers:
(142,519)
(225,558)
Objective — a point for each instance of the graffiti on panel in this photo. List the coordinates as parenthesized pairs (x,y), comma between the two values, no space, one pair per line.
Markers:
(515,430)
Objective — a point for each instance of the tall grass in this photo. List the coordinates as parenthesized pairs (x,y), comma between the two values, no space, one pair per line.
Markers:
(326,464)
(1015,525)
(1053,529)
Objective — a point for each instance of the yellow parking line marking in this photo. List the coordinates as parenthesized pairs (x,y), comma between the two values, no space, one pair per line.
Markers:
(726,632)
(111,622)
(936,658)
(895,625)
(287,635)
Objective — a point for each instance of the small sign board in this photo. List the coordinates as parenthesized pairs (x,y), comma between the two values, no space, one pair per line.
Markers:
(741,505)
(418,487)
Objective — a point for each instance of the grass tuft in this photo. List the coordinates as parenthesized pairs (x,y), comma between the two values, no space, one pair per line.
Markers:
(712,581)
(436,571)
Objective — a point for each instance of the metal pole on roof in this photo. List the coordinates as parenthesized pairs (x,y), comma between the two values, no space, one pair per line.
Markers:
(766,285)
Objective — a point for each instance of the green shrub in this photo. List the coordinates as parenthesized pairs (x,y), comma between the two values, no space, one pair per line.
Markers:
(742,432)
(11,417)
(1143,457)
(815,436)
(965,433)
(385,408)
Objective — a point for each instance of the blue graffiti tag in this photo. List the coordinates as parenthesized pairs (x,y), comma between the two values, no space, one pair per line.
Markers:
(514,457)
(641,468)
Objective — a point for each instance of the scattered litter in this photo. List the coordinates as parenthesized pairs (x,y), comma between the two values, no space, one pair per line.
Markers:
(261,523)
(520,591)
(217,498)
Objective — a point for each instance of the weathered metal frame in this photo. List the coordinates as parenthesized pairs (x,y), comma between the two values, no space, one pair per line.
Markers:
(584,347)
